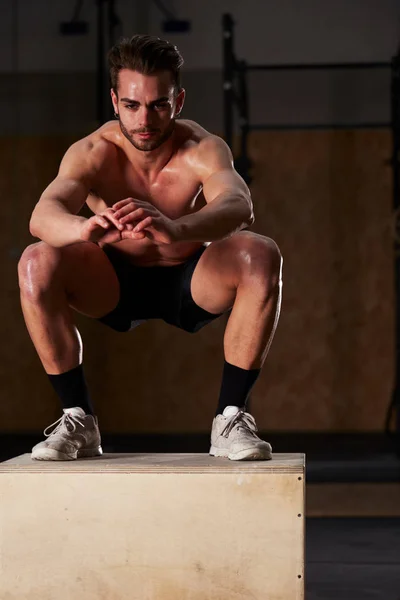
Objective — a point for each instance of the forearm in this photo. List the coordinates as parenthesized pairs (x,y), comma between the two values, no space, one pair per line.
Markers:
(220,218)
(54,224)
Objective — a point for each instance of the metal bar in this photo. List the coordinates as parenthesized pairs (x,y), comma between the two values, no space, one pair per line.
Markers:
(228,76)
(311,126)
(100,62)
(243,162)
(319,66)
(235,97)
(111,22)
(243,113)
(395,115)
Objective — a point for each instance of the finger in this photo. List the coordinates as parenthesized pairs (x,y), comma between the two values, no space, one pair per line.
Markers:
(140,213)
(125,210)
(109,214)
(143,224)
(133,236)
(122,203)
(135,203)
(101,221)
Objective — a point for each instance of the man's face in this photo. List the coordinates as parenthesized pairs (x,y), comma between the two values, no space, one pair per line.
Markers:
(147,107)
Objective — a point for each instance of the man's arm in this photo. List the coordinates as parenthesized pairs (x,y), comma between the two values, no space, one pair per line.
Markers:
(229,207)
(54,218)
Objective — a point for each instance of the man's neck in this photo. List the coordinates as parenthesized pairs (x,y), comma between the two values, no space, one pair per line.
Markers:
(149,164)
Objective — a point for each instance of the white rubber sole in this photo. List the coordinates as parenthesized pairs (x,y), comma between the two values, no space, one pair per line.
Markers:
(248,454)
(51,454)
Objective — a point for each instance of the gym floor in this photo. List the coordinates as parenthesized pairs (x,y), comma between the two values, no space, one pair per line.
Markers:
(353,559)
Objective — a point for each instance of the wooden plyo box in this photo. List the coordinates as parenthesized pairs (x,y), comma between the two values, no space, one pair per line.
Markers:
(152,527)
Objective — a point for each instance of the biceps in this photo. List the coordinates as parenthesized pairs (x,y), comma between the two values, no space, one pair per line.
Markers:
(225,182)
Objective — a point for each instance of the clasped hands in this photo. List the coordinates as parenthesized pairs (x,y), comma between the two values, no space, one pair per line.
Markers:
(130,219)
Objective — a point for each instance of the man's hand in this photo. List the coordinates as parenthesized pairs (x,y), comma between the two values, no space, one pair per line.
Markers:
(143,219)
(106,229)
(103,227)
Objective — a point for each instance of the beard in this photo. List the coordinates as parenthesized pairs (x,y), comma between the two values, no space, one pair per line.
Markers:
(147,145)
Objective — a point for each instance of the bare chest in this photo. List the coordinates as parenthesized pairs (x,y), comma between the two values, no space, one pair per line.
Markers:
(174,193)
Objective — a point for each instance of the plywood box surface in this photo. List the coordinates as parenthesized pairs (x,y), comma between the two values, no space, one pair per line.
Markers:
(152,527)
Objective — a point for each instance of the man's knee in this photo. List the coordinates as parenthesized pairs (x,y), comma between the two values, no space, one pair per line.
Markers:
(37,266)
(260,261)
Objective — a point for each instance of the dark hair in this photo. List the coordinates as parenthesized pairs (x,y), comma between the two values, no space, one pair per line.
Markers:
(147,55)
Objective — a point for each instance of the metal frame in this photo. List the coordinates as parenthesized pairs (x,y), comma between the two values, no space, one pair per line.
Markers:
(106,27)
(229,70)
(319,66)
(395,165)
(236,96)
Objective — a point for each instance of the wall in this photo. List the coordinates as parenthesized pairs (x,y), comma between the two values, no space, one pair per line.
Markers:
(267,31)
(325,198)
(288,31)
(45,76)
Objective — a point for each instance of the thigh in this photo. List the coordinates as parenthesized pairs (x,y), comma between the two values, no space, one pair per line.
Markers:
(82,270)
(214,281)
(92,285)
(223,266)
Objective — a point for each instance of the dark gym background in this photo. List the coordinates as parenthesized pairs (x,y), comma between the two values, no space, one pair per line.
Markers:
(322,185)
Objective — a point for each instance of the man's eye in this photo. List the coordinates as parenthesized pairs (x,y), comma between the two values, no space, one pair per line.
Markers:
(161,105)
(131,106)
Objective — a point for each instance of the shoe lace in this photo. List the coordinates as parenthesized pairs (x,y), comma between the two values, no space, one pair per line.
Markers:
(67,422)
(242,418)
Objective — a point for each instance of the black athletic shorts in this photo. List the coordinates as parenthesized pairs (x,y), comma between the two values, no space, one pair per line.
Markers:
(155,293)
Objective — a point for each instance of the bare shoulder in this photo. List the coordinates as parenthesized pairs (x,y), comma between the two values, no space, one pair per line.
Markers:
(204,148)
(205,152)
(213,149)
(191,130)
(89,154)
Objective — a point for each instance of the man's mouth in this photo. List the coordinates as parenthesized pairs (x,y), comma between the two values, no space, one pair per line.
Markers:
(146,134)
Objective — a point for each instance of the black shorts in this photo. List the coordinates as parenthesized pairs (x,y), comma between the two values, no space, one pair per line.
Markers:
(155,293)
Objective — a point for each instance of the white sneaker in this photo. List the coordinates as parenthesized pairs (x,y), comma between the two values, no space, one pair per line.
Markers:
(75,435)
(233,435)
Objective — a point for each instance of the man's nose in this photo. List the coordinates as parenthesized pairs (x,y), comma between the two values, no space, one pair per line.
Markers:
(144,117)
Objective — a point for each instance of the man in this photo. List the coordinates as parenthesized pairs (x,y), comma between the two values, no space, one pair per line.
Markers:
(168,213)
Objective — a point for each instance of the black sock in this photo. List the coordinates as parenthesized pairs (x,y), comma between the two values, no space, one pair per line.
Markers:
(236,387)
(72,389)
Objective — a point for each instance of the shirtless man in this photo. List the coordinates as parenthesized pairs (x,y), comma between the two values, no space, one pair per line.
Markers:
(165,241)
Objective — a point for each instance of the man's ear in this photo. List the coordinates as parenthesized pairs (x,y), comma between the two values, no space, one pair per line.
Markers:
(114,100)
(180,100)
